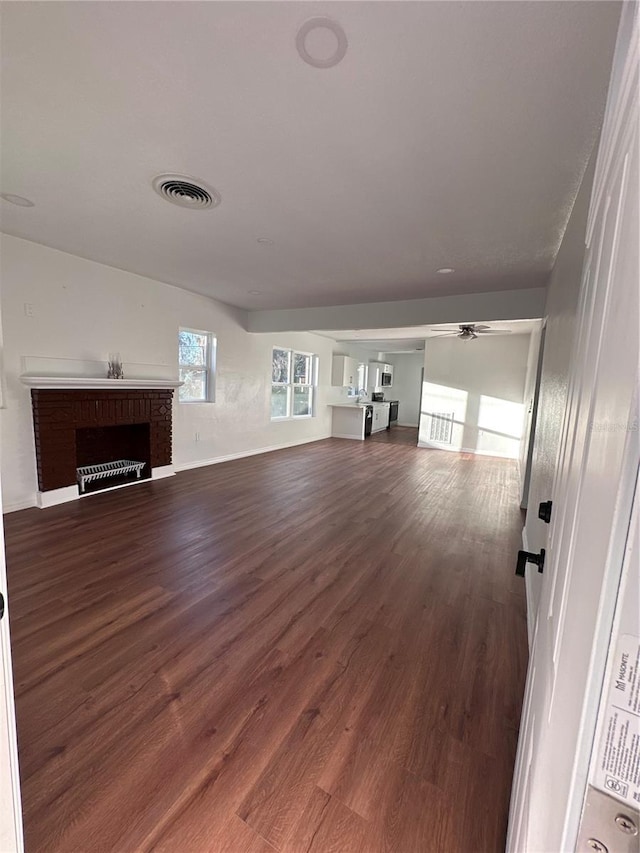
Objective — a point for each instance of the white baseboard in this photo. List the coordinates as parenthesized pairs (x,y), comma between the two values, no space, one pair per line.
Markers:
(405,424)
(229,457)
(55,497)
(162,471)
(354,437)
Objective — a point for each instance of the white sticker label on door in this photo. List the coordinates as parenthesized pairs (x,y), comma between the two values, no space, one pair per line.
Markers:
(618,766)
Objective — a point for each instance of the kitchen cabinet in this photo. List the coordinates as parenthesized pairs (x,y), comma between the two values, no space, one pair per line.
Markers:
(344,371)
(376,369)
(380,416)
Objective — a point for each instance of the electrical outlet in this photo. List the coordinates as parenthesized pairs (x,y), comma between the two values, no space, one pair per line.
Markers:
(197,436)
(28,309)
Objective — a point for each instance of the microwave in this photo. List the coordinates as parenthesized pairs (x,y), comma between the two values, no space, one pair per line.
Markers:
(386,378)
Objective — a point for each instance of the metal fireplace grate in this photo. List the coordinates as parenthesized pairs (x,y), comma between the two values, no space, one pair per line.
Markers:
(89,473)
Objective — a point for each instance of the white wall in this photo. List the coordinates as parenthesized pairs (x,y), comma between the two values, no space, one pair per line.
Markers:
(476,307)
(561,313)
(406,386)
(531,386)
(482,382)
(83,310)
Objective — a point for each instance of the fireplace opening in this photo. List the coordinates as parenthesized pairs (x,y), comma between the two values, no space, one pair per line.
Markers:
(112,456)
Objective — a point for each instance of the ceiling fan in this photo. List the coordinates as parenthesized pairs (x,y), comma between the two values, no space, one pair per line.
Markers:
(470,331)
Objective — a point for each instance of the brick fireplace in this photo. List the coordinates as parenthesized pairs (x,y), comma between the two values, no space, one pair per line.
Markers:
(95,425)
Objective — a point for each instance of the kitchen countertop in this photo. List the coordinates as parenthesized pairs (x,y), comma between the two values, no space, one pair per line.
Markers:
(361,405)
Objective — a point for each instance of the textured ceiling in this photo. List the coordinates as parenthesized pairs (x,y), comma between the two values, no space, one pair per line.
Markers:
(452,134)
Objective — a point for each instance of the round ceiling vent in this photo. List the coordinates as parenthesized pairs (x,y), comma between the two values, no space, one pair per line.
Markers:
(185,192)
(321,42)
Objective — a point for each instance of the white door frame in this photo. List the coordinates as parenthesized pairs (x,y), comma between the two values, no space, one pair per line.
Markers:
(11,835)
(11,838)
(592,495)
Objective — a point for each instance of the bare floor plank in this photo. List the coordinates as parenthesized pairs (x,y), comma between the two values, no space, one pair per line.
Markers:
(319,649)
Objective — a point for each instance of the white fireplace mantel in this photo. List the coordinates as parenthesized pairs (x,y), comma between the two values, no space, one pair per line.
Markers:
(79,382)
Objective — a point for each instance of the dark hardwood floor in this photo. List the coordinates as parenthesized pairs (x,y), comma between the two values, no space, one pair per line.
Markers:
(319,649)
(397,435)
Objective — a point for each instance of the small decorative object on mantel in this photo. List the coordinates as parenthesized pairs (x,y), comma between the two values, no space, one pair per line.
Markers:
(115,370)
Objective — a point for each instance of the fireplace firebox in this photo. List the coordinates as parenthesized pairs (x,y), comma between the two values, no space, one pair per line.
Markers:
(98,449)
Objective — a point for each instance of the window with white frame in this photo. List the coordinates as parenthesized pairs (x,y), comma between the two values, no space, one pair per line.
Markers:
(197,365)
(360,387)
(294,376)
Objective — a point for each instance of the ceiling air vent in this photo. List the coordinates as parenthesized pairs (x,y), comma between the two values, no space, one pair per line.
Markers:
(185,192)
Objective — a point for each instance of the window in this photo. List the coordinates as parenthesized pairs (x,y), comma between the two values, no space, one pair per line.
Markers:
(293,382)
(197,364)
(360,387)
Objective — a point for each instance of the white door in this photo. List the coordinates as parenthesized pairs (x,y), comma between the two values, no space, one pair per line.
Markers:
(10,812)
(614,782)
(592,495)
